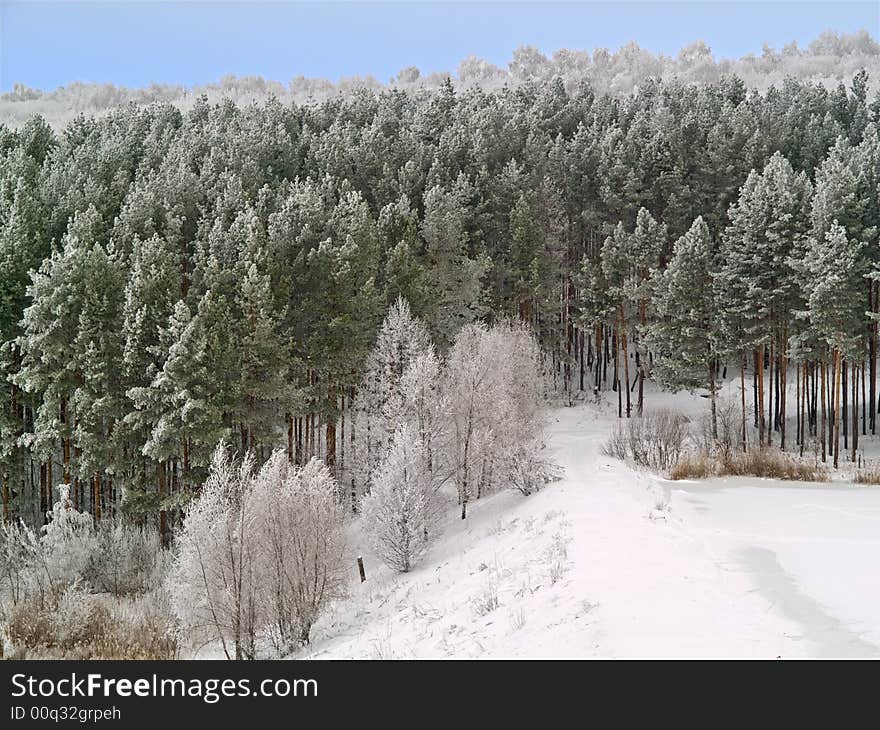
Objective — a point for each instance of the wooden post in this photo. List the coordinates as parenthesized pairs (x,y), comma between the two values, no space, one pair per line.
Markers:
(361,569)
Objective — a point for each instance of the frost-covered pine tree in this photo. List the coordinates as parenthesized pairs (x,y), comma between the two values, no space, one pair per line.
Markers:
(454,275)
(682,336)
(757,285)
(837,270)
(627,261)
(264,357)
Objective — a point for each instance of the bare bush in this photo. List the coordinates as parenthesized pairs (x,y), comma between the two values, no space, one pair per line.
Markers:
(27,626)
(486,600)
(528,471)
(19,550)
(656,440)
(127,559)
(729,423)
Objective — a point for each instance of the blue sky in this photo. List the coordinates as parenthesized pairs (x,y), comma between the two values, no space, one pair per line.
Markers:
(133,42)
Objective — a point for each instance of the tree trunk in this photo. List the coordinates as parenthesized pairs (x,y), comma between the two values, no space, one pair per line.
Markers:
(625,350)
(760,377)
(844,366)
(330,459)
(44,492)
(797,404)
(290,438)
(65,444)
(863,400)
(352,454)
(837,369)
(783,383)
(6,497)
(872,355)
(803,406)
(742,383)
(712,397)
(163,515)
(49,488)
(771,424)
(96,497)
(855,410)
(823,394)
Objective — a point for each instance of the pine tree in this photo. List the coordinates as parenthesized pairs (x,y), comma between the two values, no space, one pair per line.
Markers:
(682,338)
(454,274)
(756,282)
(836,304)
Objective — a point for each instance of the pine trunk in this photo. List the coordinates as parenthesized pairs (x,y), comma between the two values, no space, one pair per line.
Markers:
(6,497)
(163,515)
(712,398)
(625,351)
(760,381)
(823,392)
(797,403)
(837,369)
(855,411)
(742,382)
(96,496)
(783,383)
(770,420)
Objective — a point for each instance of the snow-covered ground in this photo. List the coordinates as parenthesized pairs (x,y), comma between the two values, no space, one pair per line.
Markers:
(610,562)
(811,551)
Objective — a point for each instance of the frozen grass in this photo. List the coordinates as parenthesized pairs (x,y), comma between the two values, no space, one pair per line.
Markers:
(694,466)
(764,463)
(83,625)
(870,474)
(773,464)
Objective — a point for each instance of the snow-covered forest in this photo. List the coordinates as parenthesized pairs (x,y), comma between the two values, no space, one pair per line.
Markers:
(232,334)
(828,59)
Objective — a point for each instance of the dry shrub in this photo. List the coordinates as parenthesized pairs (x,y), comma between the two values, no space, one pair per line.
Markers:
(758,462)
(868,475)
(729,426)
(127,560)
(694,466)
(773,464)
(83,625)
(27,625)
(656,440)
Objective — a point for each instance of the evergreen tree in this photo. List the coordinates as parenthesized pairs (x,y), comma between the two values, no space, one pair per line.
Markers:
(683,335)
(836,305)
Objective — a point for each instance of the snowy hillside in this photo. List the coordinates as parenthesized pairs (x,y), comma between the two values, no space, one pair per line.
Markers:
(609,562)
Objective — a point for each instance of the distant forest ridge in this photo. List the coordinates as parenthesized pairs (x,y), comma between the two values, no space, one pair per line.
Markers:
(830,59)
